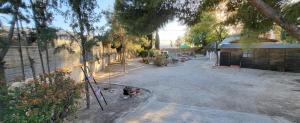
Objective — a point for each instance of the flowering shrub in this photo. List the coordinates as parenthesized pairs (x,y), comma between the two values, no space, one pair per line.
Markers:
(42,101)
(3,92)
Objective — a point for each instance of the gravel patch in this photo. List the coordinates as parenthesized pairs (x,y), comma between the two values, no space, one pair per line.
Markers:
(117,106)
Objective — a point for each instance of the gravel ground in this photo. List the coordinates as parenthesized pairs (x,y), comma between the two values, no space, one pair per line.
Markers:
(195,91)
(117,105)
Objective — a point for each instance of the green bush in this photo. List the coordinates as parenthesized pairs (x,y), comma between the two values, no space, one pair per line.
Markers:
(41,101)
(154,53)
(161,60)
(143,53)
(3,93)
(146,61)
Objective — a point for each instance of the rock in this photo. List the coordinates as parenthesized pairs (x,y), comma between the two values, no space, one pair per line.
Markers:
(16,85)
(20,84)
(29,80)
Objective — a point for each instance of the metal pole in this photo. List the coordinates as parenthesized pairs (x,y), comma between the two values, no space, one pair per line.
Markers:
(86,77)
(100,90)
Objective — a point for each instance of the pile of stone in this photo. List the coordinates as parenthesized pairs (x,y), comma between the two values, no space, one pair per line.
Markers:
(131,91)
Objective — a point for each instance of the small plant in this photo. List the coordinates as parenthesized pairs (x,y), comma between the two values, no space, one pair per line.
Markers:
(40,101)
(154,53)
(161,60)
(143,53)
(146,61)
(3,93)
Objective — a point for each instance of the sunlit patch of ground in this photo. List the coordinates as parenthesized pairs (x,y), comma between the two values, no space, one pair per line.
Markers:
(197,89)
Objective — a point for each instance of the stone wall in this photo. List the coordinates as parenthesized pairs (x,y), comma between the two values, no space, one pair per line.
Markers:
(181,50)
(62,59)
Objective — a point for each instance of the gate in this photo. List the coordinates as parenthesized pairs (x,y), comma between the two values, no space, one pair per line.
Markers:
(225,58)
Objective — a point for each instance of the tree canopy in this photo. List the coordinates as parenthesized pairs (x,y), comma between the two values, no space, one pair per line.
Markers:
(200,34)
(142,16)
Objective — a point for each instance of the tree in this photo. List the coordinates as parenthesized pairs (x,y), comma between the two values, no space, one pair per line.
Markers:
(83,16)
(221,33)
(45,35)
(118,36)
(149,16)
(271,13)
(203,32)
(262,16)
(20,50)
(10,8)
(106,40)
(29,39)
(208,30)
(143,17)
(253,14)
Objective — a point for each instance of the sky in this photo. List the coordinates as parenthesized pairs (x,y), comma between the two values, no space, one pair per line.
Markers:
(59,21)
(170,32)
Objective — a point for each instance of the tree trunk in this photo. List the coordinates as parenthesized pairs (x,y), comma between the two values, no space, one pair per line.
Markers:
(41,59)
(269,12)
(103,66)
(3,52)
(123,54)
(83,54)
(87,93)
(217,54)
(47,59)
(2,72)
(38,28)
(10,36)
(31,60)
(6,48)
(109,45)
(48,63)
(20,51)
(3,93)
(124,62)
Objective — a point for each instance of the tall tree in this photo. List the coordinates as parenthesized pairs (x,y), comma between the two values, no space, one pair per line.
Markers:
(42,16)
(119,35)
(271,13)
(221,33)
(29,39)
(262,16)
(208,30)
(47,36)
(149,15)
(11,8)
(202,33)
(39,24)
(255,14)
(83,17)
(20,50)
